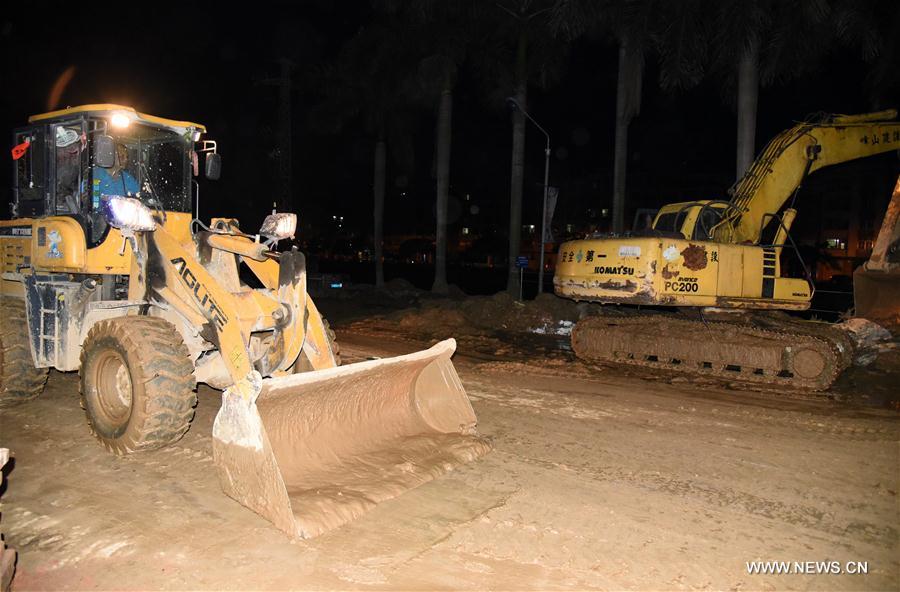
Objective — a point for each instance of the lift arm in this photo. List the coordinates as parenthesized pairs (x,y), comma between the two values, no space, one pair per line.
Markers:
(780,169)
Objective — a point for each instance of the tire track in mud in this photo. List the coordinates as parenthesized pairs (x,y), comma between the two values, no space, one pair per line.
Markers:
(751,412)
(727,499)
(733,419)
(34,532)
(81,514)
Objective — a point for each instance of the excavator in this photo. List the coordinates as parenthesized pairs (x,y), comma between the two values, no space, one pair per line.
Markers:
(107,269)
(705,281)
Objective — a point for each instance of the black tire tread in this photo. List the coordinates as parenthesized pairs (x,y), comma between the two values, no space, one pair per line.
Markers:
(20,381)
(159,359)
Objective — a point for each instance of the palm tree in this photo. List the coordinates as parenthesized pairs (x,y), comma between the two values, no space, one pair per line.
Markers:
(440,29)
(626,23)
(292,43)
(519,50)
(671,28)
(760,42)
(370,81)
(868,28)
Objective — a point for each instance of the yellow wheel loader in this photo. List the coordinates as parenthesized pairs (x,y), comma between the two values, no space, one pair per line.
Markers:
(719,265)
(107,270)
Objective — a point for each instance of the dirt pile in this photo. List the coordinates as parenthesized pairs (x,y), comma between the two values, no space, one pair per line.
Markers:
(870,339)
(401,287)
(478,315)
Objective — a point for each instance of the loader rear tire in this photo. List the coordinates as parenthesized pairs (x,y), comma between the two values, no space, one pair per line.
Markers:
(20,381)
(137,384)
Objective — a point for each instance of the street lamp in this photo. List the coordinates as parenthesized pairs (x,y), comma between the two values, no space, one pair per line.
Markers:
(515,105)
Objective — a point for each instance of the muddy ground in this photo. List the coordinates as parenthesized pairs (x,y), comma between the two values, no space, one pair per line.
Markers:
(598,479)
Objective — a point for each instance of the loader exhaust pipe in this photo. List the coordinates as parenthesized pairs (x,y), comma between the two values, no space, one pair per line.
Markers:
(319,449)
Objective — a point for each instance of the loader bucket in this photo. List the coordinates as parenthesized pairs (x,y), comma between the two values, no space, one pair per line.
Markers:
(876,295)
(320,448)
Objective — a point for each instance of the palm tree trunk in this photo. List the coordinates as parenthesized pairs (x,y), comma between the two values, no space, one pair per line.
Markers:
(517,176)
(445,113)
(620,159)
(748,90)
(378,184)
(628,103)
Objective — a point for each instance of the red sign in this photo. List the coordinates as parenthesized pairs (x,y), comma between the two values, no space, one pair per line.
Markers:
(20,150)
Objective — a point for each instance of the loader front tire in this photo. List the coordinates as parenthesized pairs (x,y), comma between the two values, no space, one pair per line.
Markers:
(137,384)
(20,381)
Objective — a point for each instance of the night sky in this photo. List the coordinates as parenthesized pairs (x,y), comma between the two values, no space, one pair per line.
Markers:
(204,64)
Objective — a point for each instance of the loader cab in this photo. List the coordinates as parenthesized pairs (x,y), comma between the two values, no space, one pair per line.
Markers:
(68,163)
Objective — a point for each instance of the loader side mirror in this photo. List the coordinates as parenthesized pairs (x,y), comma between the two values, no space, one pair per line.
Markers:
(104,151)
(213,166)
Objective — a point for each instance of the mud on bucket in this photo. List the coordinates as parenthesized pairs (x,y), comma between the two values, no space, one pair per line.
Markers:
(319,449)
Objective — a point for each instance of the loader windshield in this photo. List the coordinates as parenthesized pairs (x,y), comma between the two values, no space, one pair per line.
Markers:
(159,159)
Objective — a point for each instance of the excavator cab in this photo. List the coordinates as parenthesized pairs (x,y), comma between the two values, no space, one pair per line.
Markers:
(694,220)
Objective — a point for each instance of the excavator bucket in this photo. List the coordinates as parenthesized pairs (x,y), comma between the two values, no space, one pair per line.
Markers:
(876,295)
(318,449)
(876,283)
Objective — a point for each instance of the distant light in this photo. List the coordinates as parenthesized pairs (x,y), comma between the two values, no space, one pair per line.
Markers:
(402,194)
(119,120)
(337,285)
(465,231)
(531,227)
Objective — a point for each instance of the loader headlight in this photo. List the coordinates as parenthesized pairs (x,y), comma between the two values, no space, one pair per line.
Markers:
(279,226)
(128,213)
(120,120)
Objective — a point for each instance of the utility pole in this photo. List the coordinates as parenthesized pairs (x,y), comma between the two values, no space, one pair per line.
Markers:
(516,105)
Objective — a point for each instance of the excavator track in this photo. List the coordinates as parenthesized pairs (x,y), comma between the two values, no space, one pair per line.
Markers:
(771,353)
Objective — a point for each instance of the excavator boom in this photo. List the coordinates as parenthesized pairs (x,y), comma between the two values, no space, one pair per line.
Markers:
(792,155)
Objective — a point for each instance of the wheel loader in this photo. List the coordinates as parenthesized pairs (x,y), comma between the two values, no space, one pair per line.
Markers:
(708,273)
(108,270)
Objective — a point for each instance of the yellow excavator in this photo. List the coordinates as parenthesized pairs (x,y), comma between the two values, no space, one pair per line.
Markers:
(107,269)
(718,264)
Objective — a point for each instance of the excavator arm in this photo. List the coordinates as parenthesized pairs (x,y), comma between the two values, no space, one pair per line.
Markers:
(793,154)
